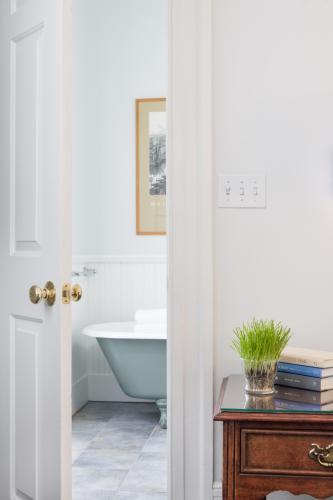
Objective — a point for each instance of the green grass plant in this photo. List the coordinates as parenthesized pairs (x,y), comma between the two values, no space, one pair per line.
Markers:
(260,340)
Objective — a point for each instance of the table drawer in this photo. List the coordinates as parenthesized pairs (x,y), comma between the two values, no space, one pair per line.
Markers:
(272,451)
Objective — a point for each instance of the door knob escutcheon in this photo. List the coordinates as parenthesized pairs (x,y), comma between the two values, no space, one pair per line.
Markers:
(69,292)
(48,293)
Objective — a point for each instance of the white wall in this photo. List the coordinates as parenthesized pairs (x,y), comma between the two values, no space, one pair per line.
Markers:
(273,105)
(119,54)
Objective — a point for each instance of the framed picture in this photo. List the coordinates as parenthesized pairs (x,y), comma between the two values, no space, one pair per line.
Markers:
(151,166)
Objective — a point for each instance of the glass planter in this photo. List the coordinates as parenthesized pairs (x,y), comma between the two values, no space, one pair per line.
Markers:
(259,376)
(265,402)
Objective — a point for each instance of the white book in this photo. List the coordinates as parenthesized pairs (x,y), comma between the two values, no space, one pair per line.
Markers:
(307,357)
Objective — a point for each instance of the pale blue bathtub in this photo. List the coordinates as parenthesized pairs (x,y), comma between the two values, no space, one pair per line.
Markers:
(137,359)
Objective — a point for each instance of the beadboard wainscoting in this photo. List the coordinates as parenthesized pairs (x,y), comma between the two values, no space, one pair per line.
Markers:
(120,286)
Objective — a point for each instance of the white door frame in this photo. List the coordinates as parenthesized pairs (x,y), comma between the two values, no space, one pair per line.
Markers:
(190,251)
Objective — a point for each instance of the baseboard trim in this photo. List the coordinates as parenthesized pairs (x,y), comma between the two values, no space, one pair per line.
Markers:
(99,387)
(79,393)
(217,490)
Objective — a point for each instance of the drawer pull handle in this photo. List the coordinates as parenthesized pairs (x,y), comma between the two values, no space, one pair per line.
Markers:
(324,456)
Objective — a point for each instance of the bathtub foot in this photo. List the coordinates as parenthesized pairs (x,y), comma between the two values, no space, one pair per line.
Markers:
(162,406)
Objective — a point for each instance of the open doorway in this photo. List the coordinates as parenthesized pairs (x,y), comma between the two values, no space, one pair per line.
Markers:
(119,249)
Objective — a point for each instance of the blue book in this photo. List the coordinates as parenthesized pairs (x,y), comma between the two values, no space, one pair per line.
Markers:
(303,396)
(304,382)
(309,371)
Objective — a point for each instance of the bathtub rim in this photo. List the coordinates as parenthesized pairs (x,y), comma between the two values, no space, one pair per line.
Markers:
(121,330)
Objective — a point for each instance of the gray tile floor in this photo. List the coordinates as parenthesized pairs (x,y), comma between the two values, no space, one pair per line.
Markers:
(119,453)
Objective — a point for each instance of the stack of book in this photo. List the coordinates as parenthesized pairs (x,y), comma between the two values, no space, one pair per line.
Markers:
(305,379)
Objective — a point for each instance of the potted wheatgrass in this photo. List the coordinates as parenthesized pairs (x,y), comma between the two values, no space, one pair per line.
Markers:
(259,344)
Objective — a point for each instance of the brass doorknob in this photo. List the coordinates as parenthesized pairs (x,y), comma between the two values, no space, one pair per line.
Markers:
(48,293)
(76,292)
(69,292)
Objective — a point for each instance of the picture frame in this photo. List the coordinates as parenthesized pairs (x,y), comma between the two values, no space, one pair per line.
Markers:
(151,166)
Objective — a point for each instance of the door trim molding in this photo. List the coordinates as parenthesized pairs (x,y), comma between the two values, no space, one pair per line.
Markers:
(190,251)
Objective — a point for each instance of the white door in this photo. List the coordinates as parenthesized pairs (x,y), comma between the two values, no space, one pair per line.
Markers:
(34,248)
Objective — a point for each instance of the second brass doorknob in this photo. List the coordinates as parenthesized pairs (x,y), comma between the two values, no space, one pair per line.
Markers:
(69,292)
(76,292)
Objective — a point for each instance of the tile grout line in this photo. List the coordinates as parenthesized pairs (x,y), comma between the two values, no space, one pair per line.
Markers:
(134,463)
(89,442)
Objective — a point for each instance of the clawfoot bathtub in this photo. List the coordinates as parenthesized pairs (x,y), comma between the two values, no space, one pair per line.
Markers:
(137,359)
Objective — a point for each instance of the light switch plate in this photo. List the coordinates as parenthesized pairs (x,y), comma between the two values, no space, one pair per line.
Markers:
(241,191)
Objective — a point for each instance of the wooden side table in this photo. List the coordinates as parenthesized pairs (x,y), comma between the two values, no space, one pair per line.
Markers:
(267,449)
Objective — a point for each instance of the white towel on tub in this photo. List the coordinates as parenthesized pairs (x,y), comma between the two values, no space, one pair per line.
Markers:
(149,316)
(150,327)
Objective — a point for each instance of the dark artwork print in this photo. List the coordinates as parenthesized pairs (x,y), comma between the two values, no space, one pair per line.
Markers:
(157,153)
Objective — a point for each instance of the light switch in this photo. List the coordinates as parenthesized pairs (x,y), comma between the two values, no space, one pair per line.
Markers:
(241,191)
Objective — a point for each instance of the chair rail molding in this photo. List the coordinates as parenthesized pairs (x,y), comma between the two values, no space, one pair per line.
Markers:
(115,259)
(190,251)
